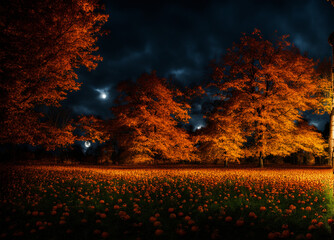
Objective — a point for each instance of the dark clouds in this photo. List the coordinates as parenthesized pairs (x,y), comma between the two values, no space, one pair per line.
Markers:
(179,38)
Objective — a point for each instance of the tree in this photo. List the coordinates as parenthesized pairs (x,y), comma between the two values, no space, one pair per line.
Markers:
(146,122)
(326,103)
(268,86)
(42,43)
(56,128)
(325,87)
(60,129)
(221,139)
(92,129)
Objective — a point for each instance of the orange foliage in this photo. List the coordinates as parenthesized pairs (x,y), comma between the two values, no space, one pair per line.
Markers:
(43,42)
(221,139)
(266,86)
(94,129)
(58,129)
(54,137)
(146,126)
(325,87)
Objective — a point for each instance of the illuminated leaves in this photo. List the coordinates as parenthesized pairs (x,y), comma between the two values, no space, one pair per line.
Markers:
(325,86)
(266,86)
(146,125)
(43,42)
(221,139)
(94,129)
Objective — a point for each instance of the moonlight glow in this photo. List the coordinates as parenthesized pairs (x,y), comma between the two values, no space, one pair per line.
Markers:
(103,93)
(103,96)
(199,127)
(87,144)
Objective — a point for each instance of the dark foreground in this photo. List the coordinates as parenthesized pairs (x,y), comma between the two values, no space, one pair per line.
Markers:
(50,202)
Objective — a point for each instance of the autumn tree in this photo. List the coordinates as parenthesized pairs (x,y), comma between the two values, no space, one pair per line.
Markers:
(146,123)
(92,129)
(56,127)
(221,140)
(268,86)
(42,43)
(61,129)
(325,94)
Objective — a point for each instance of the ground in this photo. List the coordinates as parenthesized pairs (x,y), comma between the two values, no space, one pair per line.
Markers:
(168,202)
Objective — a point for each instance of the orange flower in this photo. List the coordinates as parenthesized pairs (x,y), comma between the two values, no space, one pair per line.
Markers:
(180,231)
(194,228)
(34,213)
(271,235)
(158,232)
(252,215)
(105,235)
(239,222)
(156,224)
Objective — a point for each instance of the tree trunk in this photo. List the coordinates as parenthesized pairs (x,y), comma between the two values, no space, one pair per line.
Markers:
(331,137)
(226,163)
(261,160)
(331,122)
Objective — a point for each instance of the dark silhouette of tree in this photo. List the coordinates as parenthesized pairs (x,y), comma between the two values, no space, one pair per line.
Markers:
(42,43)
(266,86)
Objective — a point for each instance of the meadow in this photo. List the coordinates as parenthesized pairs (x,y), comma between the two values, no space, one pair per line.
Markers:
(59,202)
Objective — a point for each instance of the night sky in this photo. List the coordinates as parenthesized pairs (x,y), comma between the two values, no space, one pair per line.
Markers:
(178,39)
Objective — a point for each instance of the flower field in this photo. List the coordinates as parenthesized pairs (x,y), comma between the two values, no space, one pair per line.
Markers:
(48,202)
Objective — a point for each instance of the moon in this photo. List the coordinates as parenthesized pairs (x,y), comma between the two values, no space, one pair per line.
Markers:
(199,127)
(103,95)
(87,144)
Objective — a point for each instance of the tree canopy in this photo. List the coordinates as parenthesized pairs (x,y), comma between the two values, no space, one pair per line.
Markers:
(221,139)
(42,43)
(268,86)
(147,121)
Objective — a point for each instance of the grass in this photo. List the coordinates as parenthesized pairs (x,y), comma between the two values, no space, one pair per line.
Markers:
(50,202)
